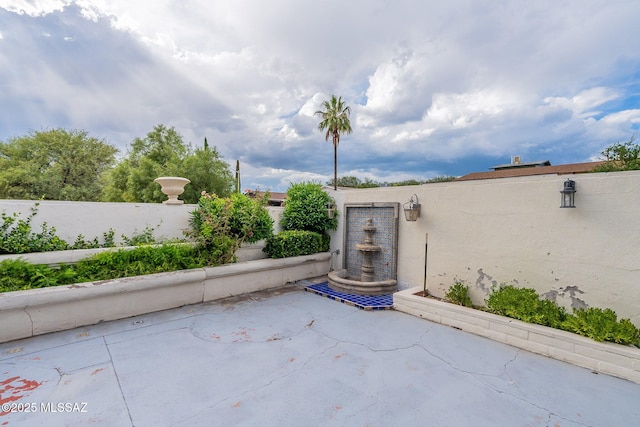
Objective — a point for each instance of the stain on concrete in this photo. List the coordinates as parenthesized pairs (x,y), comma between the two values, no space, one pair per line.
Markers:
(571,292)
(14,389)
(551,295)
(480,282)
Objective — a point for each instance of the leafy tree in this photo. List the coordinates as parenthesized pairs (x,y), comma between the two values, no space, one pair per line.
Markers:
(207,172)
(442,178)
(621,156)
(406,182)
(306,209)
(335,121)
(163,153)
(420,182)
(354,182)
(54,164)
(156,155)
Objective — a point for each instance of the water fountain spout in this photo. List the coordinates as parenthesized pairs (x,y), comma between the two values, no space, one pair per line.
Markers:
(368,249)
(366,285)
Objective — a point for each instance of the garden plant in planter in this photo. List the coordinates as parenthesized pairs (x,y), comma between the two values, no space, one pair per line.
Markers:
(221,225)
(305,221)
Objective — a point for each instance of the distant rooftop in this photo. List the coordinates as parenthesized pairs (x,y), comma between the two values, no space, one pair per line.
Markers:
(533,168)
(275,198)
(516,163)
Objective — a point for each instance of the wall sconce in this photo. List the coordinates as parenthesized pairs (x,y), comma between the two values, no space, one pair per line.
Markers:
(567,194)
(412,209)
(331,210)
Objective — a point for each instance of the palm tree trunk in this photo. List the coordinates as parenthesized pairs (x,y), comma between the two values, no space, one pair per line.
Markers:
(335,166)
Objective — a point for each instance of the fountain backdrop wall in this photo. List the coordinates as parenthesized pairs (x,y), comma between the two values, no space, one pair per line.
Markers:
(385,219)
(371,232)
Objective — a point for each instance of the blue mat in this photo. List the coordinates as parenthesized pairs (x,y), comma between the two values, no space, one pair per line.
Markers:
(365,302)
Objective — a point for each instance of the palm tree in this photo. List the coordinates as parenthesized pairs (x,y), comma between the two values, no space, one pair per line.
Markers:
(335,120)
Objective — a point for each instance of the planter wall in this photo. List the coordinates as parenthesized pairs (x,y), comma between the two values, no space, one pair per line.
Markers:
(607,358)
(39,311)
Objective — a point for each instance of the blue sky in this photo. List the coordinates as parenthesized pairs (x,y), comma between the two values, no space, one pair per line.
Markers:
(436,88)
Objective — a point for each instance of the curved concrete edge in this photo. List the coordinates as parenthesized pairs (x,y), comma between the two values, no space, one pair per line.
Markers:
(607,358)
(251,276)
(339,281)
(39,311)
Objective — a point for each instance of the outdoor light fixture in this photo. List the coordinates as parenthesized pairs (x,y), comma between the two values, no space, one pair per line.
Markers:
(412,209)
(567,194)
(331,210)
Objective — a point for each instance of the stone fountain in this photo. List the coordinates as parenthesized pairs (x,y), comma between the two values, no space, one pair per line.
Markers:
(365,284)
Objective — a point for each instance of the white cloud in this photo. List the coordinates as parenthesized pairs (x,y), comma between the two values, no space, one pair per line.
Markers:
(34,7)
(582,105)
(431,84)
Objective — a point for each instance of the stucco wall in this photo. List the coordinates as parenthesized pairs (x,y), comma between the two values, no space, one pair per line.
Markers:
(511,230)
(483,233)
(92,219)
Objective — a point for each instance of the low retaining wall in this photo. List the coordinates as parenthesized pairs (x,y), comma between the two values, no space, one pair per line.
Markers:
(40,311)
(607,358)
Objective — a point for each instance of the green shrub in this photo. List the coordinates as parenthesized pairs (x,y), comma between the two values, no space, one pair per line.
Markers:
(140,261)
(137,239)
(524,304)
(19,275)
(458,294)
(17,235)
(221,225)
(294,243)
(108,241)
(306,209)
(602,325)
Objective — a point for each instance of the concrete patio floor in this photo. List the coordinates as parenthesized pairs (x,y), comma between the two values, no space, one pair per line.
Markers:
(286,357)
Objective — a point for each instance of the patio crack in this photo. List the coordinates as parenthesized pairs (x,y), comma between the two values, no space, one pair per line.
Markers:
(115,373)
(478,376)
(238,397)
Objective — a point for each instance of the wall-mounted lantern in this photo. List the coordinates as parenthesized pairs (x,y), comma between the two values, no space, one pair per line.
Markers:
(568,194)
(412,209)
(331,210)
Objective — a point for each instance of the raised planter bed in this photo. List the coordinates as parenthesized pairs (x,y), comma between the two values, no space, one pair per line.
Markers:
(39,311)
(248,252)
(607,358)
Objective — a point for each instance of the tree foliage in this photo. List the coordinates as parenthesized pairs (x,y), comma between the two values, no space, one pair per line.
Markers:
(306,209)
(621,156)
(220,225)
(355,182)
(207,171)
(163,153)
(54,164)
(334,122)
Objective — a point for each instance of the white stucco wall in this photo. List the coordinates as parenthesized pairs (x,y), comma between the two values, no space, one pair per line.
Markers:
(482,233)
(511,230)
(92,219)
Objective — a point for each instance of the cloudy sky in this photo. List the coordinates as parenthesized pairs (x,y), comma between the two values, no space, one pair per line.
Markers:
(435,87)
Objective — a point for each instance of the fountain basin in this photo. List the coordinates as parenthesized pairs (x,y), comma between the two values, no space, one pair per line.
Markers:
(340,281)
(365,247)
